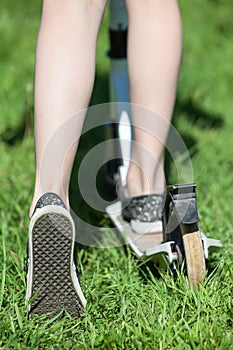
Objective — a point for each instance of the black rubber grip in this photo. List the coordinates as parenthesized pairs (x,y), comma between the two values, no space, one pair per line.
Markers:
(118,43)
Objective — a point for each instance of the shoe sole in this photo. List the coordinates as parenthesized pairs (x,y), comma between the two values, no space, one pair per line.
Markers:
(52,283)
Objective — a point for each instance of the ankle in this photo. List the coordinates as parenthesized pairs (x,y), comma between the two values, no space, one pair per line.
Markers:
(137,187)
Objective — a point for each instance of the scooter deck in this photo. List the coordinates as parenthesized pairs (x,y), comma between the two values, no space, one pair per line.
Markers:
(146,246)
(150,246)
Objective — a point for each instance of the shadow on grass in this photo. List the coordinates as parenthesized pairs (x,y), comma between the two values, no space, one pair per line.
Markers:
(13,136)
(196,114)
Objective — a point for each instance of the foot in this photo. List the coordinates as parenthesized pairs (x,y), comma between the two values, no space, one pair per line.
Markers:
(52,282)
(144,213)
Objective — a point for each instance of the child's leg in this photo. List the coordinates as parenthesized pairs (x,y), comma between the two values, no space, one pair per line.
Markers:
(154,54)
(64,75)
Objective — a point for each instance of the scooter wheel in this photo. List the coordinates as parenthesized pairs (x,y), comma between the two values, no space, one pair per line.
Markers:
(194,257)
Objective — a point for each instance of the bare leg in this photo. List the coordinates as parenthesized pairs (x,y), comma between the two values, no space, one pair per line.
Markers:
(64,76)
(154,55)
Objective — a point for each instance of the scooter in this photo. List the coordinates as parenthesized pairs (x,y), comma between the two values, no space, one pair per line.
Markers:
(180,238)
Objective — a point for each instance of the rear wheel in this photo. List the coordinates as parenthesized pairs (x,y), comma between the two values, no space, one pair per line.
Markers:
(195,259)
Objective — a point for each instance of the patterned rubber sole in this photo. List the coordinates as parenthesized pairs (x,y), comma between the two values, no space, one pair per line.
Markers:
(53,290)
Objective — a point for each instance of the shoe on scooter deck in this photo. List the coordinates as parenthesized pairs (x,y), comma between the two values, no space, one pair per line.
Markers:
(146,246)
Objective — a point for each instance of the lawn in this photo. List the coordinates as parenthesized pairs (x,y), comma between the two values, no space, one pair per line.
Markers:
(129,307)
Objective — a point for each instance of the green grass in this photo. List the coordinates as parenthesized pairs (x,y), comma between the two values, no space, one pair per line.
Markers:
(128,307)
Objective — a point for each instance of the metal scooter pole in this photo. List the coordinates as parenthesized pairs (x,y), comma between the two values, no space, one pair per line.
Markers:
(119,87)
